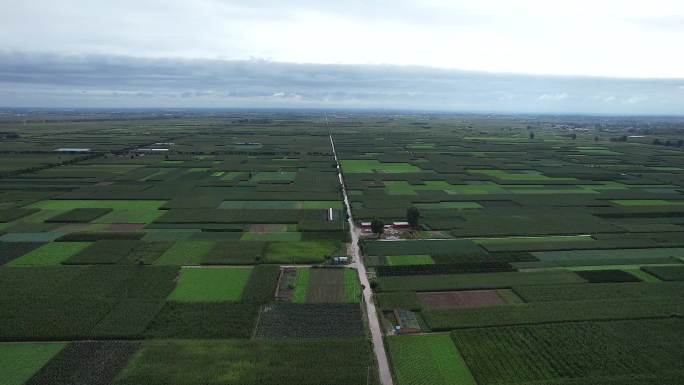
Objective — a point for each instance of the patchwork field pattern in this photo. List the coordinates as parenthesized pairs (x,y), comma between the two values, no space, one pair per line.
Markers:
(125,264)
(200,248)
(525,226)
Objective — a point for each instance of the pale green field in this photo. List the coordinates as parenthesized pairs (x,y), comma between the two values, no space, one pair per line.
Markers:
(210,284)
(428,359)
(375,166)
(408,260)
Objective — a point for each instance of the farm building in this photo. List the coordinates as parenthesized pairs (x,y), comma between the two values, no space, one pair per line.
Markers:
(400,225)
(72,150)
(152,150)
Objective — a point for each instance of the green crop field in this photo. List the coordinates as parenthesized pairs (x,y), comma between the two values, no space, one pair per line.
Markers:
(474,281)
(274,204)
(509,241)
(51,254)
(274,176)
(560,256)
(404,260)
(449,205)
(647,202)
(299,252)
(123,211)
(522,355)
(20,361)
(352,286)
(518,175)
(301,362)
(374,166)
(211,284)
(428,359)
(301,287)
(185,253)
(285,236)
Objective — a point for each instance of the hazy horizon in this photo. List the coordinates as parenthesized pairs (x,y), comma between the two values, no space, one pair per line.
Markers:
(612,57)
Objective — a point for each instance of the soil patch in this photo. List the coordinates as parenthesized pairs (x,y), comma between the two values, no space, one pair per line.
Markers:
(460,299)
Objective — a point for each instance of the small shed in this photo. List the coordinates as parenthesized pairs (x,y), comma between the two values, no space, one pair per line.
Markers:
(152,150)
(341,260)
(408,321)
(72,150)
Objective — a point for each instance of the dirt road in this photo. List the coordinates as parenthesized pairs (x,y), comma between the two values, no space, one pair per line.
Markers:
(373,322)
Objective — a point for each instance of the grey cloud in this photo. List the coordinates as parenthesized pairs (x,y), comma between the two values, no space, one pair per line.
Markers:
(48,80)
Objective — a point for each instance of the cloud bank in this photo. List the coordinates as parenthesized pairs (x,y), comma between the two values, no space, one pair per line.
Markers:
(621,38)
(99,81)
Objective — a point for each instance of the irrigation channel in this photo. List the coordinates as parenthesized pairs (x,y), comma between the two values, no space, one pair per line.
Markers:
(373,322)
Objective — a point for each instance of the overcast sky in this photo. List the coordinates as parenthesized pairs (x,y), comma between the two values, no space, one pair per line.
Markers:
(598,56)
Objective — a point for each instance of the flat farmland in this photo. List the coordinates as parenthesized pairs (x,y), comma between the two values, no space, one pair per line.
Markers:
(462,299)
(325,286)
(430,359)
(21,361)
(155,256)
(523,227)
(313,361)
(579,354)
(205,248)
(211,284)
(366,166)
(50,254)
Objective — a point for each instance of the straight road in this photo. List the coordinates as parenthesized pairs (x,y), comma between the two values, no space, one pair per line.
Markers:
(373,322)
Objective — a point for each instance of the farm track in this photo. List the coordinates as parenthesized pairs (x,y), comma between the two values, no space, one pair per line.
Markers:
(373,323)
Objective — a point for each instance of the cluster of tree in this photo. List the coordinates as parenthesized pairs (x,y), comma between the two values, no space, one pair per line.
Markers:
(668,143)
(622,138)
(252,121)
(46,166)
(9,135)
(412,217)
(377,226)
